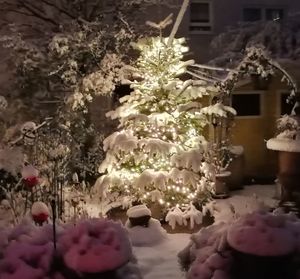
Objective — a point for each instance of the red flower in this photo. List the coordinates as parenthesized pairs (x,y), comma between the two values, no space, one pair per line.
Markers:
(31,181)
(40,218)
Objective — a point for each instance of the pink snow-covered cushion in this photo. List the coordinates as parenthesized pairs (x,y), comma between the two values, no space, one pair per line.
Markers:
(95,246)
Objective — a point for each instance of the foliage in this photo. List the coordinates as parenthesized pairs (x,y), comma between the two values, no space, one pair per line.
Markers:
(280,38)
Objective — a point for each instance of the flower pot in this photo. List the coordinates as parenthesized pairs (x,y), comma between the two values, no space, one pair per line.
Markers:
(289,174)
(139,215)
(248,266)
(221,188)
(288,166)
(142,221)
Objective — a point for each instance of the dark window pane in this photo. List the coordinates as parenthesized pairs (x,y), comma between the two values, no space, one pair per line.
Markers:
(285,107)
(200,12)
(246,104)
(274,14)
(200,28)
(252,14)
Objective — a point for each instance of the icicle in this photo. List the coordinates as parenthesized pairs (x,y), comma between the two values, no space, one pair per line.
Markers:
(178,21)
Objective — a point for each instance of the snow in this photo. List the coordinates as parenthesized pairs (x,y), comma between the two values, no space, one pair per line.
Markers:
(223,174)
(95,246)
(146,236)
(11,160)
(236,149)
(193,215)
(244,201)
(40,208)
(138,211)
(262,234)
(29,171)
(283,144)
(219,110)
(175,216)
(160,260)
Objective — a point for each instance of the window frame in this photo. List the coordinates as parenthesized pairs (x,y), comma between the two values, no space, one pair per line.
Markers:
(263,11)
(279,94)
(202,24)
(260,93)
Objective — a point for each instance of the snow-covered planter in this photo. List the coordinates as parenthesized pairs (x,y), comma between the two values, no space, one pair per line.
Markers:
(139,215)
(143,230)
(257,245)
(287,144)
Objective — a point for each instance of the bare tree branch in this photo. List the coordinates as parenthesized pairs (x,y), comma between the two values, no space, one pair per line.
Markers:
(63,11)
(94,8)
(37,13)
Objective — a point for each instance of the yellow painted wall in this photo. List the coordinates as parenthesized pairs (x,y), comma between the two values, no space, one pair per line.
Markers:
(251,132)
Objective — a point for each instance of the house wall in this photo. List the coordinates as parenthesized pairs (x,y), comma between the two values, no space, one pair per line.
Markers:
(223,15)
(252,132)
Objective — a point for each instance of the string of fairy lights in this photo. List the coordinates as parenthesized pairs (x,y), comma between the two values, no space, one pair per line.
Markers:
(175,131)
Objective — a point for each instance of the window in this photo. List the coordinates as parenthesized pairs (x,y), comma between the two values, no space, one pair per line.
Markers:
(259,13)
(285,107)
(200,16)
(274,14)
(246,104)
(252,14)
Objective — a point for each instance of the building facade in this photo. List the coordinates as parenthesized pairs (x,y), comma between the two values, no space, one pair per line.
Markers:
(258,107)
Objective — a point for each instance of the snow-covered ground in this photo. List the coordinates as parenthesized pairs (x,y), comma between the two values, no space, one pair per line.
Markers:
(160,260)
(245,201)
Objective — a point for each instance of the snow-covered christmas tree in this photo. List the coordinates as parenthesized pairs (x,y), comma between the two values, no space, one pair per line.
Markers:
(158,153)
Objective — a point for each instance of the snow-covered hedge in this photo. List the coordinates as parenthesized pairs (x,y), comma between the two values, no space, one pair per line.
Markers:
(215,252)
(90,248)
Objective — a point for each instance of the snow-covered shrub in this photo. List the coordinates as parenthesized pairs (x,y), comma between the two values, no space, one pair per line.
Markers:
(216,251)
(87,249)
(288,134)
(288,127)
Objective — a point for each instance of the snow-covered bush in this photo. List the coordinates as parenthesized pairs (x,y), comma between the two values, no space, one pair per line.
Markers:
(288,134)
(280,37)
(288,126)
(218,250)
(87,249)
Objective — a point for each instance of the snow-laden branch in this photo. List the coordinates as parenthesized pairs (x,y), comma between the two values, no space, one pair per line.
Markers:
(207,67)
